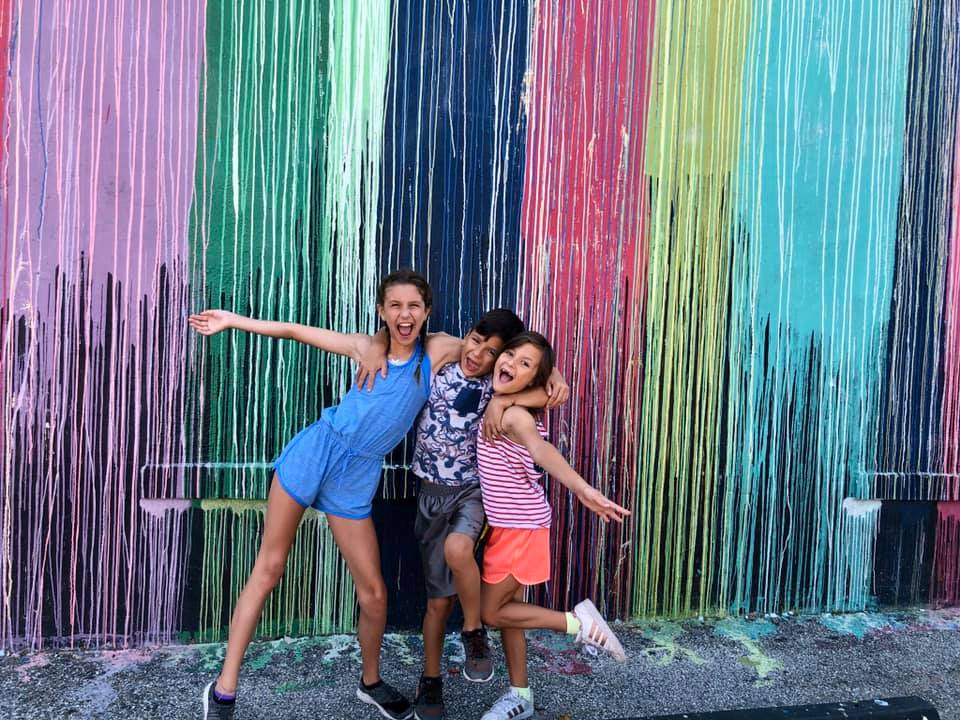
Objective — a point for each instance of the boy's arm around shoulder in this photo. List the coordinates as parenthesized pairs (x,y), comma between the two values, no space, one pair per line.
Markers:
(442,349)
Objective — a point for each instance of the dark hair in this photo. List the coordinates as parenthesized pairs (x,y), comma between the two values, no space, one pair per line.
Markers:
(406,276)
(546,359)
(501,323)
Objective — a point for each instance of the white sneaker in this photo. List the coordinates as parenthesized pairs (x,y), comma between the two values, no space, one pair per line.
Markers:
(509,707)
(595,631)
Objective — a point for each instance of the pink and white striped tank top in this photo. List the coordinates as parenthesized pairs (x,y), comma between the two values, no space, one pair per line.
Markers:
(512,484)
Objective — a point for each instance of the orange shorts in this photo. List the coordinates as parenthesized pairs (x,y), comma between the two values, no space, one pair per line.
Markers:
(521,552)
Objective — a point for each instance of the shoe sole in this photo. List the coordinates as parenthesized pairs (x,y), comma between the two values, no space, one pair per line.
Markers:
(488,678)
(521,716)
(363,697)
(615,649)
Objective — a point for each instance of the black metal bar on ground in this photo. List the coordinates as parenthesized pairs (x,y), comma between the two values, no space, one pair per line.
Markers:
(902,708)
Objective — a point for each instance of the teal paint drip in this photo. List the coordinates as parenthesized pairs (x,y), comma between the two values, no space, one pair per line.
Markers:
(816,197)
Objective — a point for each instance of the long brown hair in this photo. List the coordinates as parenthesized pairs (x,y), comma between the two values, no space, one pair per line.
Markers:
(406,276)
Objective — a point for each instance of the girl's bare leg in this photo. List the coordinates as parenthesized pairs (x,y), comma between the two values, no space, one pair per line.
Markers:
(501,608)
(357,541)
(515,647)
(279,530)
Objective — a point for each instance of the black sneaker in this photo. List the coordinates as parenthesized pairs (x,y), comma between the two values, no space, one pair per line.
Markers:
(478,665)
(386,699)
(214,709)
(429,704)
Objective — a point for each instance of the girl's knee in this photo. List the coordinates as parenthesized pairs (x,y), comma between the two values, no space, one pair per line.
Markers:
(490,613)
(267,571)
(372,597)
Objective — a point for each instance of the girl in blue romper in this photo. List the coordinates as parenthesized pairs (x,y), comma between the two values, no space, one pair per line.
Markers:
(334,466)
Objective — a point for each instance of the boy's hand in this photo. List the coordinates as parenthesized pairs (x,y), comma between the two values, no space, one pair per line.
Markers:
(493,418)
(603,506)
(373,361)
(210,322)
(558,392)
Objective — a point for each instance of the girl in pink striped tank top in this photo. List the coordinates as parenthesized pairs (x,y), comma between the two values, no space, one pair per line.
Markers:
(517,552)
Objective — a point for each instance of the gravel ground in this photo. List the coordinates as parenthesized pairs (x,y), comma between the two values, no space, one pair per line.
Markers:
(672,668)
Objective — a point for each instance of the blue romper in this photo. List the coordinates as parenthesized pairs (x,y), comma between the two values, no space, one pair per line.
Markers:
(334,465)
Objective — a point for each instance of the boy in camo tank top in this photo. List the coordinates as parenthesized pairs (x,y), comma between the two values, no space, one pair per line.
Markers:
(450,507)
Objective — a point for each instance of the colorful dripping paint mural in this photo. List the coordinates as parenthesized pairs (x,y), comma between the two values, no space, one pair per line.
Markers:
(737,221)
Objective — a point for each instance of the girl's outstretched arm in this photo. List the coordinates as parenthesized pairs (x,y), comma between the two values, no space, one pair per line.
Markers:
(211,322)
(521,428)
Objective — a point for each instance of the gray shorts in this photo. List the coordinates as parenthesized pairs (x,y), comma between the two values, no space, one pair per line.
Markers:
(441,510)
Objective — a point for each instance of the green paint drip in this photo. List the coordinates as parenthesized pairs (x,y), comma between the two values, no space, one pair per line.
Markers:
(283,227)
(284,219)
(315,594)
(693,132)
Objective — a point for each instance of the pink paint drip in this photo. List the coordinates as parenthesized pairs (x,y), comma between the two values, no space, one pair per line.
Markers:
(951,352)
(98,182)
(945,589)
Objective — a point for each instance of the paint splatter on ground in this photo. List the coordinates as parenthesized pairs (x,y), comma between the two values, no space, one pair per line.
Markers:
(672,668)
(665,646)
(861,624)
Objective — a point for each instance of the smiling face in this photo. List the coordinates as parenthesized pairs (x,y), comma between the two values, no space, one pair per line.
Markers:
(516,368)
(404,311)
(479,353)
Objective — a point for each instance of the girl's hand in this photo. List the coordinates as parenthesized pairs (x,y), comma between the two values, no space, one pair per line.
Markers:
(210,322)
(558,392)
(493,419)
(599,503)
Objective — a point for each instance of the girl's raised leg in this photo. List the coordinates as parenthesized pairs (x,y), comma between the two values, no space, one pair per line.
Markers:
(279,530)
(501,607)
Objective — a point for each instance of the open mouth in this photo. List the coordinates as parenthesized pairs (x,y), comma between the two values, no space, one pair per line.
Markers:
(471,365)
(405,330)
(504,377)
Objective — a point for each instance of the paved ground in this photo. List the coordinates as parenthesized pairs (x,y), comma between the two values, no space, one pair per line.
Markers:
(691,666)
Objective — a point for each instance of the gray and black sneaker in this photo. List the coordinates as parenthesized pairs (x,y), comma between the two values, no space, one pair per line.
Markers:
(429,703)
(213,707)
(386,699)
(478,665)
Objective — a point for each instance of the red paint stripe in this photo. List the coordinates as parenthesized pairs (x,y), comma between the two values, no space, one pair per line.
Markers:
(584,226)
